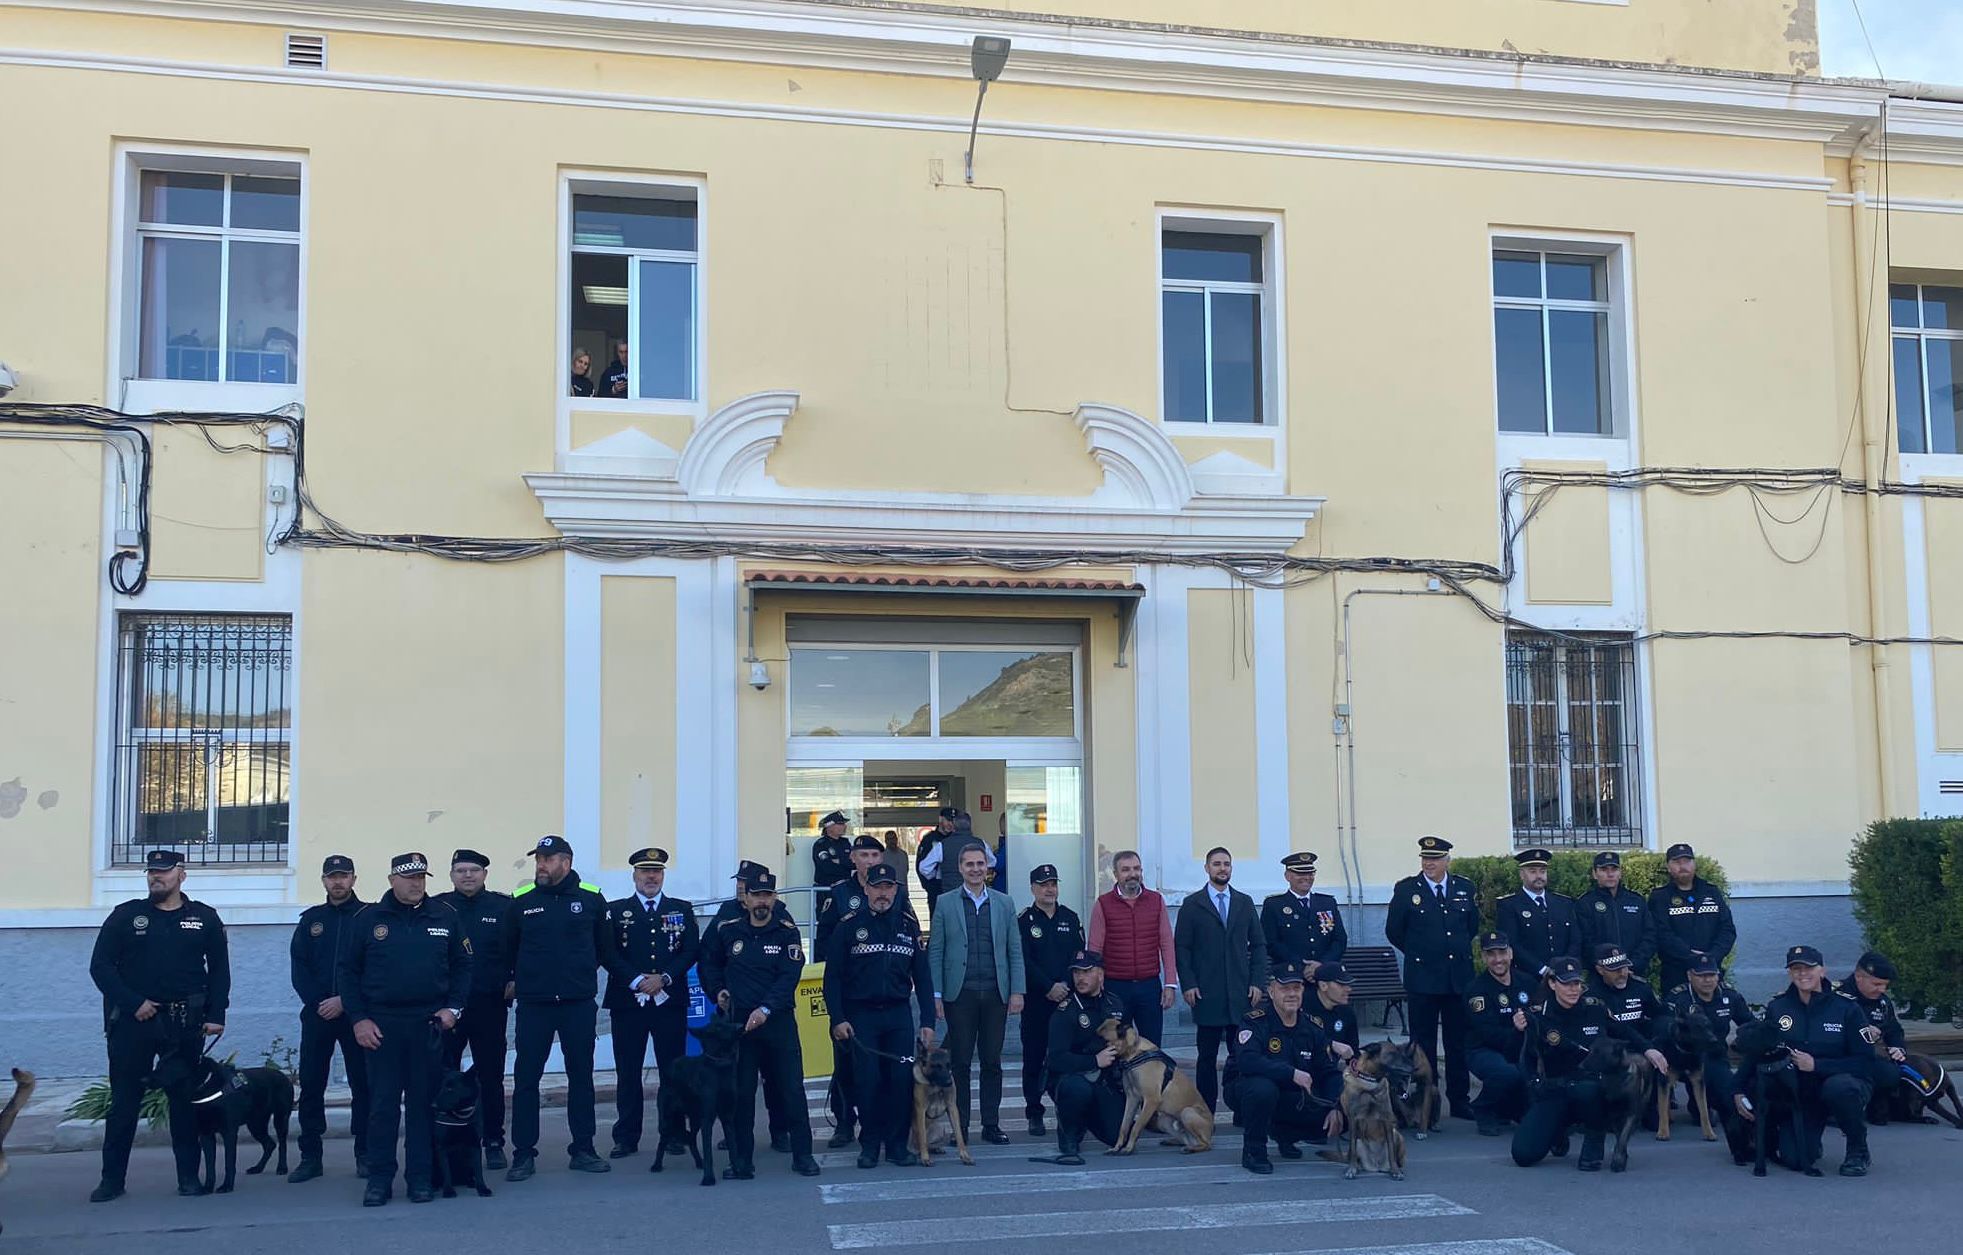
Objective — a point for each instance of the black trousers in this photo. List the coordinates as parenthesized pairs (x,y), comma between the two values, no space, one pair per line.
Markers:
(1502,1085)
(1843,1099)
(1428,1013)
(774,1055)
(575,1024)
(1206,1075)
(1141,1001)
(1035,1033)
(402,1077)
(1086,1104)
(844,1097)
(1551,1108)
(666,1027)
(1282,1111)
(134,1049)
(883,1087)
(318,1039)
(482,1028)
(977,1017)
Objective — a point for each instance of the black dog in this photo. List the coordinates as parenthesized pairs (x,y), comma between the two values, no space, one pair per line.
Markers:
(1771,1086)
(457,1134)
(1628,1083)
(1924,1087)
(225,1098)
(696,1091)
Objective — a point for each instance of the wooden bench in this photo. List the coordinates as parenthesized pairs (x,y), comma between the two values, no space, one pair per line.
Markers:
(1374,977)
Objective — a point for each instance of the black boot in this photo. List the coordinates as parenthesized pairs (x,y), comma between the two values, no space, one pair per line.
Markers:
(1068,1149)
(494,1159)
(1591,1152)
(1288,1150)
(107,1192)
(1037,1127)
(1856,1163)
(1560,1148)
(842,1137)
(1254,1157)
(804,1165)
(306,1170)
(377,1193)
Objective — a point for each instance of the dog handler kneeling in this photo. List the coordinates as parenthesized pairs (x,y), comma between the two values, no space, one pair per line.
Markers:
(1287,1079)
(1084,1082)
(874,963)
(1834,1059)
(1560,1032)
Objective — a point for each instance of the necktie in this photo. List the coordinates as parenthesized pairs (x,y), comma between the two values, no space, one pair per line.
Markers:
(1220,903)
(1438,891)
(1540,902)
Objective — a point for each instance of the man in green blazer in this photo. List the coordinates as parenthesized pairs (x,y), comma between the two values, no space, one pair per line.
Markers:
(975,954)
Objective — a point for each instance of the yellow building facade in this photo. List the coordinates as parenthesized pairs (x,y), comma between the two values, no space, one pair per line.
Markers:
(1305,427)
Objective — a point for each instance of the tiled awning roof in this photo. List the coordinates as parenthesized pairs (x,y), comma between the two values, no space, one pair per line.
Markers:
(877,582)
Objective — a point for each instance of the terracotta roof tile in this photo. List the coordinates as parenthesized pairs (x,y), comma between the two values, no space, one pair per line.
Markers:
(876,580)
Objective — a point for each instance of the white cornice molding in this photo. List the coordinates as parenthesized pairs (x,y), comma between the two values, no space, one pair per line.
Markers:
(726,454)
(1141,465)
(1112,56)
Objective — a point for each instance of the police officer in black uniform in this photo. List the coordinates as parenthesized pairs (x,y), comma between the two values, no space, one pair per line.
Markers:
(319,940)
(1051,933)
(1326,1003)
(1630,1000)
(1868,986)
(1690,917)
(407,964)
(1560,1030)
(657,937)
(751,966)
(1609,914)
(1434,920)
(1081,1067)
(831,853)
(845,897)
(1302,924)
(1287,1080)
(875,964)
(166,981)
(1496,1014)
(556,936)
(1724,1009)
(774,1104)
(485,1016)
(1539,923)
(1834,1058)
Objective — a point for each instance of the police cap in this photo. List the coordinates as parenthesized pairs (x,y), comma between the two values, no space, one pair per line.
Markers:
(1680,850)
(1084,960)
(1609,957)
(763,880)
(882,874)
(551,843)
(1804,956)
(336,863)
(866,841)
(469,856)
(649,857)
(409,865)
(1565,970)
(1433,847)
(1286,972)
(161,860)
(1300,861)
(1704,965)
(1043,874)
(1608,858)
(1495,941)
(1877,965)
(1533,858)
(1334,973)
(836,817)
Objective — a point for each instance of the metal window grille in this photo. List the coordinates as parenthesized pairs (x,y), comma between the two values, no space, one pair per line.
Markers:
(203,754)
(1574,754)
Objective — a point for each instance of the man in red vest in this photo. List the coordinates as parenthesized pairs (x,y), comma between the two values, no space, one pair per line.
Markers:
(1131,929)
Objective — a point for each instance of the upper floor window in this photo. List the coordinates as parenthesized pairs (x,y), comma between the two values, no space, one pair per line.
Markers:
(218,273)
(1928,334)
(1217,321)
(635,294)
(1553,316)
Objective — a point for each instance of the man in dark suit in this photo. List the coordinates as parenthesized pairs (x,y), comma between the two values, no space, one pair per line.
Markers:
(1223,960)
(1433,919)
(1302,924)
(655,934)
(1540,924)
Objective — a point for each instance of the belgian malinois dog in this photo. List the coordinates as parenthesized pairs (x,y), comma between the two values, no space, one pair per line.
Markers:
(1690,1036)
(1628,1081)
(1157,1095)
(1376,1144)
(934,1125)
(1414,1088)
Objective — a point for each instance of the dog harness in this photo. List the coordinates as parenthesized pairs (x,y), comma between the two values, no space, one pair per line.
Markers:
(463,1117)
(1924,1085)
(1152,1056)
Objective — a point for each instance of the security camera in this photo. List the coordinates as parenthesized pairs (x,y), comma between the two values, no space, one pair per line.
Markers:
(8,379)
(759,676)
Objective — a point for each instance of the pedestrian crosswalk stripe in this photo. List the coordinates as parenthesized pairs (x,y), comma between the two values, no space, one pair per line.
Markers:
(941,1232)
(961,1185)
(1477,1246)
(1020,1151)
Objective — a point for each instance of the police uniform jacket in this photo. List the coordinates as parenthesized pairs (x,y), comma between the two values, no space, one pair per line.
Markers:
(483,923)
(405,960)
(556,937)
(877,961)
(1305,930)
(1634,1006)
(1726,1009)
(1695,919)
(1336,1023)
(666,941)
(831,860)
(319,940)
(1266,1047)
(1489,1009)
(1880,1013)
(1048,942)
(1538,932)
(846,896)
(144,954)
(759,967)
(1436,937)
(1074,1040)
(1828,1028)
(1560,1037)
(1621,919)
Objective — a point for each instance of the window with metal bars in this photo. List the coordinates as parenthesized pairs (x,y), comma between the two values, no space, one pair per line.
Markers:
(204,737)
(1574,754)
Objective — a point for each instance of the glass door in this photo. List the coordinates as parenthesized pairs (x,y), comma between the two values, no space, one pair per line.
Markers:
(1045,816)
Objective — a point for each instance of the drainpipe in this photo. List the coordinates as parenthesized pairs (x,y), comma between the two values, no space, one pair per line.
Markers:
(1874,460)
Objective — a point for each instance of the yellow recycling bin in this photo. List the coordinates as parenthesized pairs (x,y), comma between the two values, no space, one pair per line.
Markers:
(814,1022)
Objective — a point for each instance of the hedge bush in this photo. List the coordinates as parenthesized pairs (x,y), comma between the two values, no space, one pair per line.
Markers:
(1907,878)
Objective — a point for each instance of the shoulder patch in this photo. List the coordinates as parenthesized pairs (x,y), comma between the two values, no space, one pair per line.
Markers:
(1679,989)
(589,887)
(1256,1014)
(1589,1000)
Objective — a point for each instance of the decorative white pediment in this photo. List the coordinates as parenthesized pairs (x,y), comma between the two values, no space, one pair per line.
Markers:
(726,455)
(1230,474)
(1142,467)
(628,452)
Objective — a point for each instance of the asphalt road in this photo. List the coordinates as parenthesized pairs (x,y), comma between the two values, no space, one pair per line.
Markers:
(1462,1196)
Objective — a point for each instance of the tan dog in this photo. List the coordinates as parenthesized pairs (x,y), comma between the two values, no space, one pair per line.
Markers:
(1376,1145)
(934,1125)
(23,1090)
(1157,1096)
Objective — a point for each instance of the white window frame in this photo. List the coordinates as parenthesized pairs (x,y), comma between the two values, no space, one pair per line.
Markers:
(1635,725)
(1922,337)
(1621,349)
(650,187)
(138,395)
(1274,366)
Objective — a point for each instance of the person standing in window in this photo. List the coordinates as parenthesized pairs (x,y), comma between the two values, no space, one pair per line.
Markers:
(582,385)
(613,380)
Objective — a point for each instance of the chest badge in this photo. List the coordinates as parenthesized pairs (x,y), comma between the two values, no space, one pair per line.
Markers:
(1036,930)
(381,932)
(1288,910)
(1601,906)
(1553,1036)
(856,902)
(140,923)
(1526,914)
(1676,901)
(317,929)
(860,935)
(735,947)
(1274,1045)
(1785,1023)
(1083,1021)
(1417,899)
(577,907)
(1478,1005)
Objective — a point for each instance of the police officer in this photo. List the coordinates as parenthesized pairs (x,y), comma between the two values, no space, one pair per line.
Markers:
(1560,1030)
(1081,1067)
(1724,1009)
(319,940)
(555,936)
(1609,914)
(1433,920)
(1496,1014)
(482,1028)
(1690,917)
(1631,1001)
(1326,1003)
(751,966)
(1834,1058)
(1051,933)
(1302,924)
(1540,924)
(875,964)
(1287,1080)
(926,863)
(831,852)
(1868,985)
(774,1103)
(657,936)
(408,962)
(845,897)
(166,980)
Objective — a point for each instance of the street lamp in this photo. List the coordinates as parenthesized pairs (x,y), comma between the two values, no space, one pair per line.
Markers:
(987,57)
